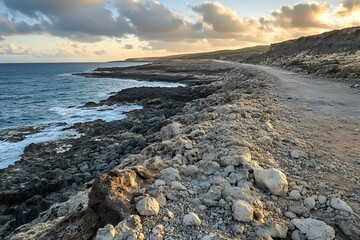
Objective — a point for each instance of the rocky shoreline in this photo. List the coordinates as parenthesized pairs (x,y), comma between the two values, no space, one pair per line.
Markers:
(207,161)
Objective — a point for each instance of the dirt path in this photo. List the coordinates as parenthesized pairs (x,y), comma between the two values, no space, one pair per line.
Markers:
(322,118)
(312,93)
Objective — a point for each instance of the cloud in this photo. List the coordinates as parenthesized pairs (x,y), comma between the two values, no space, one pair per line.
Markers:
(221,19)
(301,15)
(10,27)
(348,7)
(100,52)
(79,20)
(32,8)
(157,28)
(94,21)
(128,46)
(12,49)
(150,17)
(2,39)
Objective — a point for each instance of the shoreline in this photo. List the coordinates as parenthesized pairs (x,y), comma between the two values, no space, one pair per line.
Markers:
(202,156)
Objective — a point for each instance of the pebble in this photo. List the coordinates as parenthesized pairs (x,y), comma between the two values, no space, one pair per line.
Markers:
(294,195)
(322,199)
(242,211)
(309,202)
(191,219)
(175,185)
(148,206)
(340,205)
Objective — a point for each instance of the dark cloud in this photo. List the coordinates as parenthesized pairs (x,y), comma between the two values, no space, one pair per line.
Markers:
(348,7)
(94,21)
(10,27)
(150,16)
(301,15)
(80,20)
(48,7)
(220,18)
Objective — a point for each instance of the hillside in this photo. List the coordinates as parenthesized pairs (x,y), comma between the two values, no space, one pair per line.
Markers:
(236,54)
(333,54)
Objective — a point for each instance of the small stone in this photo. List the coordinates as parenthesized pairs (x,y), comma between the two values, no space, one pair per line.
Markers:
(314,229)
(322,199)
(206,238)
(130,228)
(296,235)
(148,206)
(296,154)
(242,211)
(212,196)
(272,179)
(290,215)
(309,202)
(340,205)
(159,182)
(170,174)
(161,200)
(191,219)
(209,167)
(191,170)
(105,233)
(294,195)
(175,185)
(170,214)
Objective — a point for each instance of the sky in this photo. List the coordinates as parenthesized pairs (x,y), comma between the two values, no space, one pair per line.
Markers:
(108,30)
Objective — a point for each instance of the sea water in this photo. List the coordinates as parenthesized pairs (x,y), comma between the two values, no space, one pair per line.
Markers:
(45,94)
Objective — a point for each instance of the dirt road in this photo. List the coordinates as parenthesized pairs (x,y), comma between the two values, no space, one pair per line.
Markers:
(313,93)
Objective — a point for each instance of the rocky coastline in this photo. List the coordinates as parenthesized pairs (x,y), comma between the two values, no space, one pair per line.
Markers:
(211,160)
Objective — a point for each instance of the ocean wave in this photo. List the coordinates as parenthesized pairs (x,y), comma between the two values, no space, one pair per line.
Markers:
(11,152)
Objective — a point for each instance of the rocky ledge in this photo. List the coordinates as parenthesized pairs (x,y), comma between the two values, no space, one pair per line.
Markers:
(208,165)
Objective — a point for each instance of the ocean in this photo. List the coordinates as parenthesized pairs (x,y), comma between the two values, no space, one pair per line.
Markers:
(47,94)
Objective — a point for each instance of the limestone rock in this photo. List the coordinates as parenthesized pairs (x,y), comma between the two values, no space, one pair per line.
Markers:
(170,174)
(242,211)
(243,193)
(340,205)
(272,179)
(314,229)
(309,202)
(272,231)
(296,154)
(209,167)
(294,195)
(243,156)
(175,185)
(212,196)
(130,228)
(148,206)
(191,219)
(322,199)
(105,233)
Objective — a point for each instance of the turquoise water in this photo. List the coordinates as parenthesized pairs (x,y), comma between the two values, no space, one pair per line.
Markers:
(48,93)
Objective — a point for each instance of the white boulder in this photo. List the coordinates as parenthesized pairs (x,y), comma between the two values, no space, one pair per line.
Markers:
(314,229)
(242,211)
(272,179)
(148,206)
